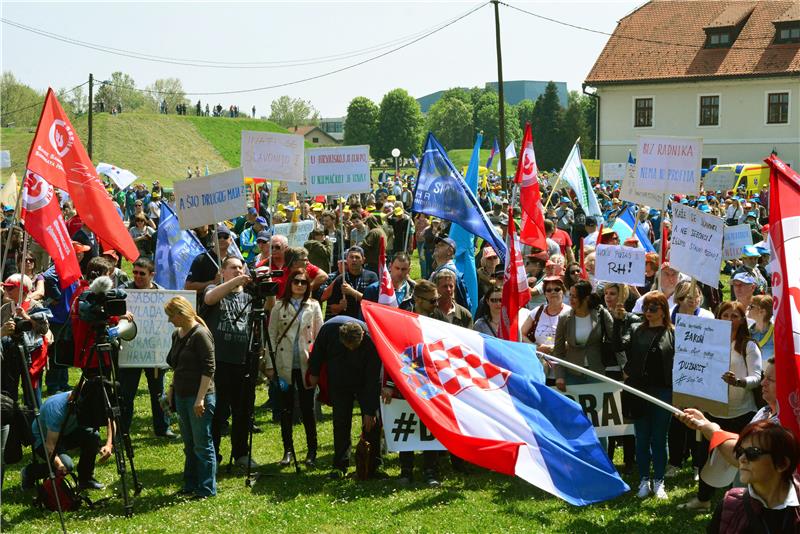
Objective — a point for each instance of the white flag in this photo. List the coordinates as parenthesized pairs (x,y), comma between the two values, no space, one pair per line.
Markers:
(122,177)
(511,152)
(575,174)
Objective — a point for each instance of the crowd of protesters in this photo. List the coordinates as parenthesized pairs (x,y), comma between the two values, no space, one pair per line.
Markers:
(625,332)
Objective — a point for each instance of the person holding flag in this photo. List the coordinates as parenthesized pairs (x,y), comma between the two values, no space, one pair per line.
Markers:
(393,287)
(532,230)
(516,292)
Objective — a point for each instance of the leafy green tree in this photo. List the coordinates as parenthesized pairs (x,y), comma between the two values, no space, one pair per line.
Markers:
(169,90)
(361,123)
(548,129)
(575,125)
(525,112)
(488,120)
(400,124)
(589,115)
(18,102)
(459,93)
(120,92)
(288,112)
(450,120)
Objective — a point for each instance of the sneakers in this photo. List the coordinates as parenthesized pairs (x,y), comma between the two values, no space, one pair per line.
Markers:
(431,480)
(696,505)
(91,483)
(658,490)
(241,461)
(644,488)
(405,478)
(671,472)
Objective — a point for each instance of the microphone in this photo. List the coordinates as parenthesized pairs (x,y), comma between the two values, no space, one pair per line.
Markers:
(101,285)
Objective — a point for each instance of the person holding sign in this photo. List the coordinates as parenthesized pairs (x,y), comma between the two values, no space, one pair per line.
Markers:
(650,349)
(743,378)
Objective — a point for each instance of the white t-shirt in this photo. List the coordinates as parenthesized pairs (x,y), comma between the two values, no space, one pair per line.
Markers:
(583,329)
(545,333)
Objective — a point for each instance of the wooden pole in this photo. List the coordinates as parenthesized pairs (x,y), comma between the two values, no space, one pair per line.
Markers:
(501,110)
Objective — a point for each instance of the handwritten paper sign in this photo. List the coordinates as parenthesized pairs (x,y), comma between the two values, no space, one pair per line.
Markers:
(735,238)
(210,199)
(629,191)
(602,404)
(669,164)
(592,167)
(154,333)
(615,263)
(403,429)
(614,172)
(721,180)
(274,156)
(296,233)
(696,246)
(702,356)
(338,170)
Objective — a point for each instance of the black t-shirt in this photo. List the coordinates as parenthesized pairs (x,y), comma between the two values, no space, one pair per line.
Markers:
(203,268)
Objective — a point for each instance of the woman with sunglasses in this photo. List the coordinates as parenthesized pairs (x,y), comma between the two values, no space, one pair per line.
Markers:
(649,347)
(572,274)
(743,376)
(542,322)
(761,331)
(489,322)
(142,235)
(30,270)
(294,323)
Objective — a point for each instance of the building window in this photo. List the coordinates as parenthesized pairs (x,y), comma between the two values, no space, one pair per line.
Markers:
(789,33)
(643,113)
(707,163)
(709,111)
(719,39)
(778,108)
(315,140)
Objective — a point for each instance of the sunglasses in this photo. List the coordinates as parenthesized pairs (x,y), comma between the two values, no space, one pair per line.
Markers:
(223,236)
(574,272)
(553,290)
(140,273)
(496,301)
(751,453)
(430,301)
(299,282)
(29,260)
(653,308)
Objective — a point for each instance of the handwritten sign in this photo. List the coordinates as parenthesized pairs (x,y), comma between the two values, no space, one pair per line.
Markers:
(296,233)
(719,180)
(602,404)
(702,356)
(614,172)
(154,337)
(338,170)
(403,429)
(734,239)
(630,191)
(592,167)
(669,164)
(210,199)
(274,156)
(696,246)
(615,263)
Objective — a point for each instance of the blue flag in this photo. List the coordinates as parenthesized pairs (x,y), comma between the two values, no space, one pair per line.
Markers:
(175,250)
(631,159)
(495,150)
(415,159)
(465,241)
(624,228)
(441,192)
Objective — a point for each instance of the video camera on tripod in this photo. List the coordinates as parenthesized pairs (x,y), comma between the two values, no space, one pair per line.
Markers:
(262,282)
(99,304)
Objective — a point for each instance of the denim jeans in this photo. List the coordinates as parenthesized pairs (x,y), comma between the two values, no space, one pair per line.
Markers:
(200,465)
(651,436)
(85,439)
(129,385)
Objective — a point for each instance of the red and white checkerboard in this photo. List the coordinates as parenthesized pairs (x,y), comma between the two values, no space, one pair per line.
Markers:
(458,368)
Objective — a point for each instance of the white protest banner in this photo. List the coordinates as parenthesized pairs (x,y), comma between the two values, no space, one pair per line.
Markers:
(274,156)
(404,431)
(5,159)
(669,164)
(296,233)
(296,187)
(602,404)
(154,333)
(696,246)
(702,356)
(628,190)
(614,172)
(616,263)
(210,199)
(721,180)
(338,170)
(734,239)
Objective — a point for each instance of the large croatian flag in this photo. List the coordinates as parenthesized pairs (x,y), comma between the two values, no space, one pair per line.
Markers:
(486,401)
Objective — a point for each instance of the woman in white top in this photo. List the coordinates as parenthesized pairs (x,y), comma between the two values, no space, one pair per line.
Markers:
(540,325)
(688,300)
(733,212)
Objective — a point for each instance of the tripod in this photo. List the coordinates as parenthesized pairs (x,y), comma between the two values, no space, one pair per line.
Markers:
(106,350)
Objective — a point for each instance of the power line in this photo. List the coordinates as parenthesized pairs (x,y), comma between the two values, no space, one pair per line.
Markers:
(39,104)
(630,37)
(203,63)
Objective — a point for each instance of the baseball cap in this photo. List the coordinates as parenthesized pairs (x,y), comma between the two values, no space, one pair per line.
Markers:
(752,214)
(591,221)
(764,251)
(317,206)
(749,251)
(503,219)
(15,279)
(765,228)
(702,199)
(261,220)
(263,235)
(251,210)
(564,199)
(745,278)
(447,240)
(705,208)
(224,230)
(79,247)
(489,252)
(8,208)
(398,210)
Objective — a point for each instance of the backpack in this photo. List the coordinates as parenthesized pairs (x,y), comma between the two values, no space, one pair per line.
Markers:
(65,486)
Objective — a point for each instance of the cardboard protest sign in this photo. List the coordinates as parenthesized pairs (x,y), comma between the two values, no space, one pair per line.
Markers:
(669,164)
(210,199)
(721,180)
(154,333)
(274,156)
(734,239)
(404,431)
(696,246)
(702,356)
(613,172)
(338,170)
(624,265)
(602,404)
(630,192)
(296,233)
(592,167)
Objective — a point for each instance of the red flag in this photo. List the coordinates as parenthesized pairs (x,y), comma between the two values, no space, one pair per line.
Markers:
(664,243)
(516,293)
(43,220)
(530,199)
(385,288)
(58,156)
(784,236)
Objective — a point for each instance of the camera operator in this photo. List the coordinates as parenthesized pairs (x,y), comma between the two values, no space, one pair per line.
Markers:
(143,274)
(227,317)
(71,427)
(204,270)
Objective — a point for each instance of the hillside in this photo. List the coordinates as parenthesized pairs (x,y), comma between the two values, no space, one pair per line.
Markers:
(151,146)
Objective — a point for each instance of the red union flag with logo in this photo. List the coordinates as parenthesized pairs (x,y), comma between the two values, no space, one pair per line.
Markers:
(385,288)
(58,156)
(530,198)
(784,236)
(42,218)
(516,293)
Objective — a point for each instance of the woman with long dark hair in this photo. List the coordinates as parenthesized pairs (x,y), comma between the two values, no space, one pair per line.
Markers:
(489,321)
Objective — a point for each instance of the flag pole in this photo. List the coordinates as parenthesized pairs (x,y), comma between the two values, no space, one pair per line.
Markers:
(501,109)
(558,180)
(11,228)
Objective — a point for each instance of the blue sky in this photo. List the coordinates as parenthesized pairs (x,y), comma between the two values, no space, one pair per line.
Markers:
(462,54)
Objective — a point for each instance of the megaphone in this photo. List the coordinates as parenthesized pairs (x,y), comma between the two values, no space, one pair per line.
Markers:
(125,330)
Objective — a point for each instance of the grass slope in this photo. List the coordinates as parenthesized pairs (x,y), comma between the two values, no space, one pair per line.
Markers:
(225,135)
(460,158)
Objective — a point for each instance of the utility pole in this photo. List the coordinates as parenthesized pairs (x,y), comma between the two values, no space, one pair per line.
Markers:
(91,105)
(502,103)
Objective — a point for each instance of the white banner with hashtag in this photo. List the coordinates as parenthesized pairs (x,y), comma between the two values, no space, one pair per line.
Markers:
(404,431)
